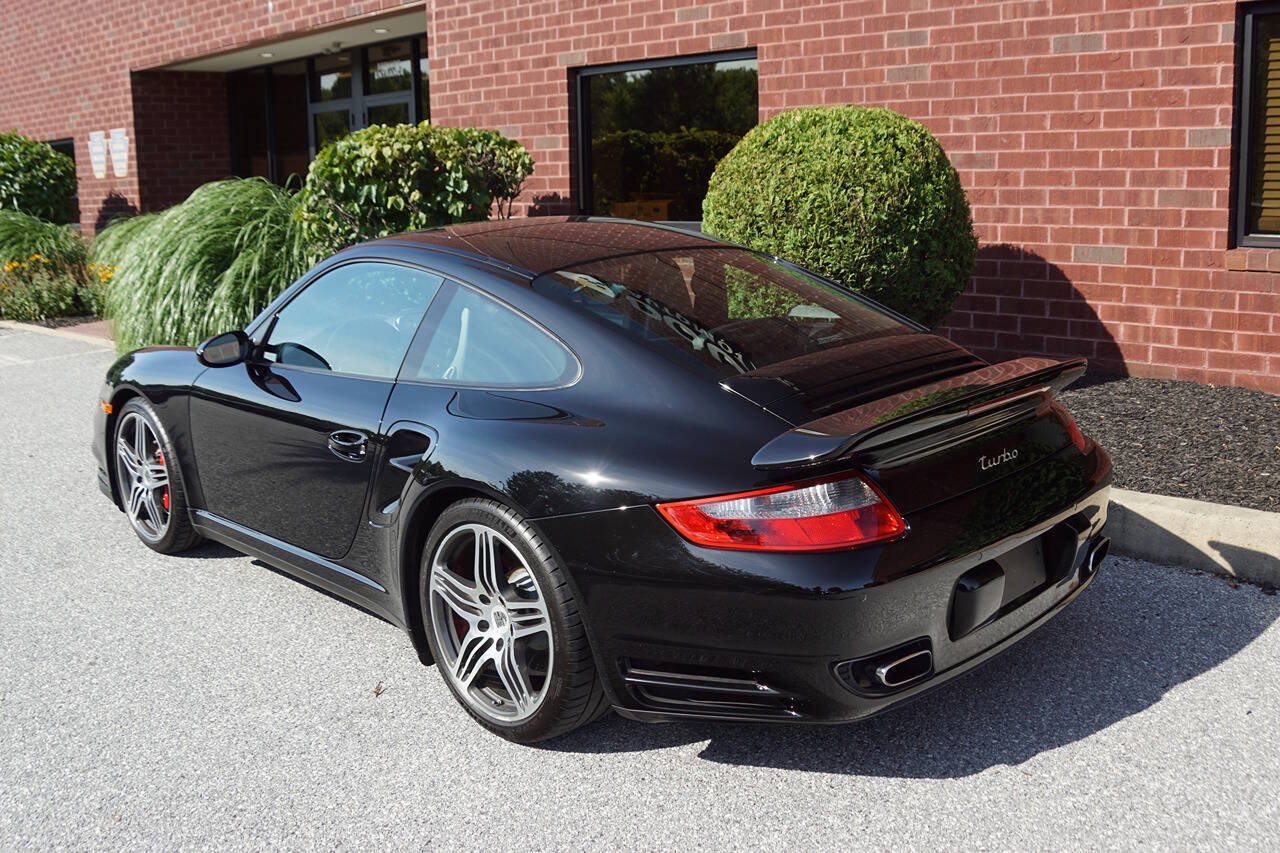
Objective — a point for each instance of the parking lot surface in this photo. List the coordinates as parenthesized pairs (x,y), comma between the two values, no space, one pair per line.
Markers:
(208,700)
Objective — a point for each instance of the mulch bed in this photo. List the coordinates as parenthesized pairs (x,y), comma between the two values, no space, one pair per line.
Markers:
(1215,444)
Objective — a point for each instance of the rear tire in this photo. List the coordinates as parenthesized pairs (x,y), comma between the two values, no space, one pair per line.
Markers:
(149,480)
(504,625)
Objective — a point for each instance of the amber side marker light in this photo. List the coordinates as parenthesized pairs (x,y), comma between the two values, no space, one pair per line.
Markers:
(106,407)
(831,514)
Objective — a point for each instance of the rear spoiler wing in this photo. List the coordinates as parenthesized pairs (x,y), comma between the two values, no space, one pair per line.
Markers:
(879,423)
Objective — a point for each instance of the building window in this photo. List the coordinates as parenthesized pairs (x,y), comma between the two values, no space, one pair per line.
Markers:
(650,134)
(64,146)
(1258,185)
(282,114)
(68,147)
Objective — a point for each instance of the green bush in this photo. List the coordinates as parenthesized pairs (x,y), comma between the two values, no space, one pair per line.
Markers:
(109,244)
(207,265)
(36,180)
(105,253)
(389,179)
(630,163)
(22,236)
(39,291)
(211,263)
(44,270)
(864,196)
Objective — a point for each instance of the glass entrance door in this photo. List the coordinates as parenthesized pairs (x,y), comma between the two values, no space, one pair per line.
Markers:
(388,83)
(355,88)
(283,113)
(389,112)
(329,126)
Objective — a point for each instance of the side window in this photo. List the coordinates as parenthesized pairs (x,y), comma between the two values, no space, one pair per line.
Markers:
(358,318)
(471,339)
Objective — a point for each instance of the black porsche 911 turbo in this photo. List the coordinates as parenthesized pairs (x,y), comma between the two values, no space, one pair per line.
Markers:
(593,464)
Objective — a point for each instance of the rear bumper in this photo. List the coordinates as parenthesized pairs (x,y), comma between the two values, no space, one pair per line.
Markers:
(861,707)
(682,632)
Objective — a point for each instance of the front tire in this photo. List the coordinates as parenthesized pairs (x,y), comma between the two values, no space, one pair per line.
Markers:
(149,481)
(504,625)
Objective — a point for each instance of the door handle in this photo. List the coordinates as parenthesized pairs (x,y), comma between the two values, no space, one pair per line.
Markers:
(348,444)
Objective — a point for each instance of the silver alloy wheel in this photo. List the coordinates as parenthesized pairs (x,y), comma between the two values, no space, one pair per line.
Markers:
(491,623)
(142,477)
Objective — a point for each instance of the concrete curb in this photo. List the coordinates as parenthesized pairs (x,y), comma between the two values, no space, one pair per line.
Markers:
(57,333)
(1229,540)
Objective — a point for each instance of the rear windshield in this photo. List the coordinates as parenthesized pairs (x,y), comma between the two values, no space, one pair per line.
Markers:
(727,309)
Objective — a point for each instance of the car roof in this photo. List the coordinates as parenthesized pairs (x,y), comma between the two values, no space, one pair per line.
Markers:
(537,245)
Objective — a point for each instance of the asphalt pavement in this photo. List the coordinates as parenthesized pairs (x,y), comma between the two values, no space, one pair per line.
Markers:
(210,701)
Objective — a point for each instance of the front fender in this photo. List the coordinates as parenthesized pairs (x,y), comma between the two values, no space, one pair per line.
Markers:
(163,376)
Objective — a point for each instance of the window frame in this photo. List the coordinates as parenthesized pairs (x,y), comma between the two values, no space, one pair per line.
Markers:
(268,324)
(426,331)
(1244,127)
(582,128)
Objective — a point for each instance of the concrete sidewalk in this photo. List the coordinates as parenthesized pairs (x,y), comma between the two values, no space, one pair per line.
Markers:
(97,331)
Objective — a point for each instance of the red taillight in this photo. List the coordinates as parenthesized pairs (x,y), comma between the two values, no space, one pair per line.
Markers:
(820,515)
(1078,438)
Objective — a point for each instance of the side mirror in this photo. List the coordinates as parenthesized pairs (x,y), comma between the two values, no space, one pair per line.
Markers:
(224,350)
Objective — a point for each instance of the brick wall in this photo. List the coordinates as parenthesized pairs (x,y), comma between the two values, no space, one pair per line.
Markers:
(180,130)
(70,68)
(1092,136)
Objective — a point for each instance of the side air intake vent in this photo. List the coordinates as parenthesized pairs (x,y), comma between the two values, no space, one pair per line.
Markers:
(711,691)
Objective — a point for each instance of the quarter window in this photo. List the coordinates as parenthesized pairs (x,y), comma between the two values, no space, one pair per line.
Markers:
(470,339)
(358,318)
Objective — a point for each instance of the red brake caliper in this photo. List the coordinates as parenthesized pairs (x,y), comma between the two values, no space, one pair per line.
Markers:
(164,499)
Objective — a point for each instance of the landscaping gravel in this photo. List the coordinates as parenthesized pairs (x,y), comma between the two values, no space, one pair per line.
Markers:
(1217,444)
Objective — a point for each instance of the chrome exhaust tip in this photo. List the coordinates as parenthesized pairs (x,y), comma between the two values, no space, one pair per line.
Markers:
(1096,554)
(906,669)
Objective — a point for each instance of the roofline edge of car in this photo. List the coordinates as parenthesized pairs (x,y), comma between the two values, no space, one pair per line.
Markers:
(361,248)
(401,241)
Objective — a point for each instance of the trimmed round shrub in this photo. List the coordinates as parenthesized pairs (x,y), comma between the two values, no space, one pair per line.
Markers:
(36,180)
(863,196)
(389,179)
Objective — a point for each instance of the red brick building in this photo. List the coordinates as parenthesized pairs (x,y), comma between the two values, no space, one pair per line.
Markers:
(1125,188)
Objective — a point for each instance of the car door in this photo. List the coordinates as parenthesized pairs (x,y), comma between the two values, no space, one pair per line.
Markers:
(284,443)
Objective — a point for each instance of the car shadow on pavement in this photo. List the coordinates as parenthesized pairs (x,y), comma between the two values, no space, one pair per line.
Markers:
(1139,632)
(208,550)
